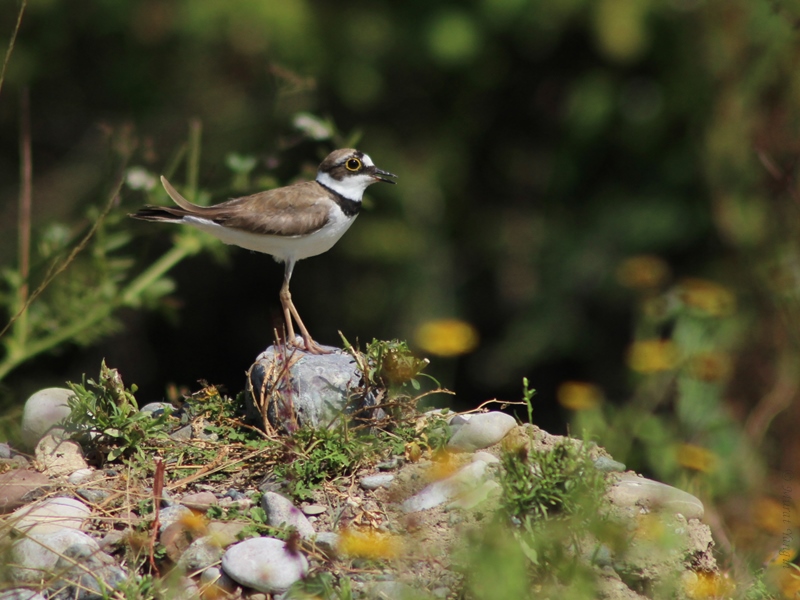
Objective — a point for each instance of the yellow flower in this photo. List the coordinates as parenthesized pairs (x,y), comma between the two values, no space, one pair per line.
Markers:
(447,337)
(696,458)
(369,544)
(768,515)
(577,395)
(701,584)
(709,366)
(642,272)
(708,297)
(652,356)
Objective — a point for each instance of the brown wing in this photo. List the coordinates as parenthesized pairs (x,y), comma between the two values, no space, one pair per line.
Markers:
(297,209)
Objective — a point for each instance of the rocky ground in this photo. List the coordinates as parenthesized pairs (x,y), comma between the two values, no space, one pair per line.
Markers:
(430,505)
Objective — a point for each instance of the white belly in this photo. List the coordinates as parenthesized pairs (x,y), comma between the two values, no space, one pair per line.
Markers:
(281,247)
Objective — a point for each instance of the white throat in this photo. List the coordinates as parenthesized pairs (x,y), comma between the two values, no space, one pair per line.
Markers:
(351,187)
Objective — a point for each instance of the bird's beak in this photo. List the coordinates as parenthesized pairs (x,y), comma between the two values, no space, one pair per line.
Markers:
(382,175)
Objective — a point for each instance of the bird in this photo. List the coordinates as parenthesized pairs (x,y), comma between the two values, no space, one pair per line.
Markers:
(289,223)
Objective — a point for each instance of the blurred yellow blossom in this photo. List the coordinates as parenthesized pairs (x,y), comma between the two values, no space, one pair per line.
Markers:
(444,465)
(768,515)
(712,298)
(447,337)
(642,272)
(652,356)
(578,395)
(369,544)
(709,366)
(696,458)
(699,585)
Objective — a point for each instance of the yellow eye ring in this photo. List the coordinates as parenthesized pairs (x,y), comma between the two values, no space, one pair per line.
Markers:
(352,164)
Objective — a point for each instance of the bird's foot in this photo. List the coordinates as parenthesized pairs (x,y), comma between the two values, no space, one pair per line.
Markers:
(306,344)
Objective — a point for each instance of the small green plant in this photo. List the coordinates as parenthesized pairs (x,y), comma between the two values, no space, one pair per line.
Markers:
(559,482)
(527,398)
(105,417)
(321,585)
(315,455)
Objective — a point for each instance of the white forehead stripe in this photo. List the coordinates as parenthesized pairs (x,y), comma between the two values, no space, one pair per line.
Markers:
(367,161)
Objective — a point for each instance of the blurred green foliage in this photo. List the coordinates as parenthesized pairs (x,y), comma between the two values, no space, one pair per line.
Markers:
(542,145)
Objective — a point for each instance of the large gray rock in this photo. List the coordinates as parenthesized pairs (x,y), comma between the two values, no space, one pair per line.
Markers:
(53,514)
(316,392)
(630,490)
(264,564)
(44,410)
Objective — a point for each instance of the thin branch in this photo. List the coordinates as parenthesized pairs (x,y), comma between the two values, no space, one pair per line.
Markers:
(24,218)
(12,41)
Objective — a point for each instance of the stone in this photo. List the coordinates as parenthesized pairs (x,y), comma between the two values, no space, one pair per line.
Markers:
(39,552)
(631,490)
(176,538)
(460,484)
(316,393)
(171,514)
(264,564)
(157,409)
(201,501)
(373,482)
(225,533)
(282,513)
(5,450)
(53,514)
(59,457)
(20,594)
(200,554)
(95,575)
(328,542)
(608,465)
(44,410)
(214,578)
(481,431)
(93,496)
(311,510)
(80,476)
(19,487)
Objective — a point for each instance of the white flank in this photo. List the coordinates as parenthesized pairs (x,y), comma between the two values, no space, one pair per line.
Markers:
(281,247)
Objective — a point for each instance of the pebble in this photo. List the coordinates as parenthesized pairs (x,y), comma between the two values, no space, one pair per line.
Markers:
(200,554)
(59,457)
(20,486)
(93,496)
(39,551)
(282,513)
(44,410)
(481,431)
(201,501)
(20,594)
(95,575)
(172,514)
(5,452)
(486,457)
(264,564)
(225,533)
(313,509)
(51,515)
(184,434)
(80,476)
(213,576)
(157,409)
(390,465)
(633,491)
(328,542)
(608,465)
(459,484)
(175,538)
(373,482)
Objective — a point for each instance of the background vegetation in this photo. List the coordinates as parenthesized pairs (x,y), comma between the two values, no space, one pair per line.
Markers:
(598,195)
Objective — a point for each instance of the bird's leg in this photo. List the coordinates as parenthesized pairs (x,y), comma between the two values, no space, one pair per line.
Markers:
(289,312)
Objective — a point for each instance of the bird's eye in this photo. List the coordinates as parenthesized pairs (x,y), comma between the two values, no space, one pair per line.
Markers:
(353,164)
